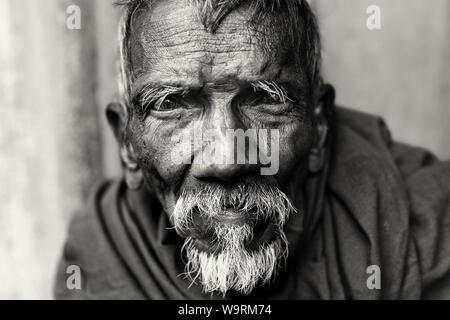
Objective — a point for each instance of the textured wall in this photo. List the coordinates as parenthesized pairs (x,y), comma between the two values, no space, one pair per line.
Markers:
(48,137)
(55,83)
(401,72)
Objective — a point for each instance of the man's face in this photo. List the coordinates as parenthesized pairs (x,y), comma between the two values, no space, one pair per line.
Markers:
(241,77)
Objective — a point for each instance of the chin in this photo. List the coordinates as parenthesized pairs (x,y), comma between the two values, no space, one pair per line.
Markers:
(261,234)
(237,258)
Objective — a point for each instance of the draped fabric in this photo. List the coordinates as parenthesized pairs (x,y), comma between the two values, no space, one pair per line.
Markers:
(55,83)
(376,203)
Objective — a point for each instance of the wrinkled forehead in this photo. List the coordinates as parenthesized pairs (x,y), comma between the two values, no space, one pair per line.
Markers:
(170,41)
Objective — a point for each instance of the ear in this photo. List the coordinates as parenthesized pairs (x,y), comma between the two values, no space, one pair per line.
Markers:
(322,116)
(133,173)
(117,116)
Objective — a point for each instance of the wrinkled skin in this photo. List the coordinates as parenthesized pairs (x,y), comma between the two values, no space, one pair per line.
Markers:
(170,46)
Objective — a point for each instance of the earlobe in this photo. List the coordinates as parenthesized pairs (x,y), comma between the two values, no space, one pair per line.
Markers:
(316,160)
(323,115)
(134,179)
(317,153)
(133,173)
(117,115)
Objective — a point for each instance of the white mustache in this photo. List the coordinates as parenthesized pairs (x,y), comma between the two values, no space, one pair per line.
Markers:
(263,200)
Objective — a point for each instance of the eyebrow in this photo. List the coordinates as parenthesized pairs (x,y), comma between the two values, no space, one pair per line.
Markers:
(273,88)
(150,94)
(155,94)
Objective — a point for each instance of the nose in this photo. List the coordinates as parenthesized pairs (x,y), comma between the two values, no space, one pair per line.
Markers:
(220,153)
(226,174)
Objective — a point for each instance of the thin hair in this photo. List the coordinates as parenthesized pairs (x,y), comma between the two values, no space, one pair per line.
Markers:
(299,24)
(274,89)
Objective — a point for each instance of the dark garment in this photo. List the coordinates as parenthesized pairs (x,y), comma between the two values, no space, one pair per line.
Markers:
(375,203)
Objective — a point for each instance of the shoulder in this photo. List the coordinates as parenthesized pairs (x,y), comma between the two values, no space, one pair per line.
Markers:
(367,136)
(90,249)
(363,137)
(364,141)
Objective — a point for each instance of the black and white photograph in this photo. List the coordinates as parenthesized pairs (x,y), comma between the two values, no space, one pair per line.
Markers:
(224,150)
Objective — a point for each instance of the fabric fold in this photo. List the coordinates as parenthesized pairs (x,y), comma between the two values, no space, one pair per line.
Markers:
(377,203)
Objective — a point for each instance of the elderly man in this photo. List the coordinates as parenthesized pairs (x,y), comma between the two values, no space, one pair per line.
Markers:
(340,211)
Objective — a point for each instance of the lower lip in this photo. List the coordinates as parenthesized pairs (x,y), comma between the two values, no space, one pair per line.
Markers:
(264,233)
(232,218)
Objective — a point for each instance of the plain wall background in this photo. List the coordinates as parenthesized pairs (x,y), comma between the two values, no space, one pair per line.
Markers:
(55,83)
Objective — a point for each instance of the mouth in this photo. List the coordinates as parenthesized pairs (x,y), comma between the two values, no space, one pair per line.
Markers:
(264,232)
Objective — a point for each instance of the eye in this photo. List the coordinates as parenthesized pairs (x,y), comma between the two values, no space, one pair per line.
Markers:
(270,98)
(167,104)
(264,97)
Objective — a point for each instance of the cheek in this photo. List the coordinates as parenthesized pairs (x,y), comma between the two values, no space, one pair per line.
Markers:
(296,140)
(161,150)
